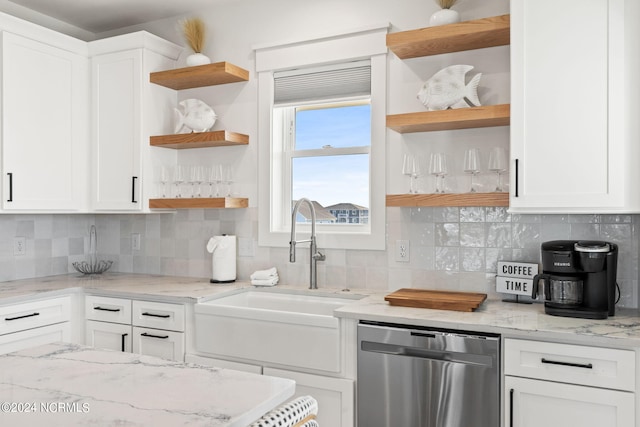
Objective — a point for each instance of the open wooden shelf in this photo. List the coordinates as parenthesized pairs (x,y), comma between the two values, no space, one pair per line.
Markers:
(460,118)
(199,202)
(219,138)
(455,200)
(468,35)
(200,76)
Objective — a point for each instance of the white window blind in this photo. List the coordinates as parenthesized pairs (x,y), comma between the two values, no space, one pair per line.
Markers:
(329,82)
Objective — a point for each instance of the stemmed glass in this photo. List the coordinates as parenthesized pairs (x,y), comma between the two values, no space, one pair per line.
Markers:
(212,179)
(196,179)
(498,164)
(438,168)
(472,165)
(227,178)
(412,168)
(179,176)
(164,178)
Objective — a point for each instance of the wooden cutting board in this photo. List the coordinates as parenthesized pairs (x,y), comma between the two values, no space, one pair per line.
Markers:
(439,300)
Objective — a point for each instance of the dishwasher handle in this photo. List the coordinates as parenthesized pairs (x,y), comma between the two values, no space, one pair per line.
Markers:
(422,353)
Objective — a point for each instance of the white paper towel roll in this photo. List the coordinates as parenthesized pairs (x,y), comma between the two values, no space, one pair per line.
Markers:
(223,250)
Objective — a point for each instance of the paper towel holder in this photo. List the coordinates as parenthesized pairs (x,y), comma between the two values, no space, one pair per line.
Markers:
(223,258)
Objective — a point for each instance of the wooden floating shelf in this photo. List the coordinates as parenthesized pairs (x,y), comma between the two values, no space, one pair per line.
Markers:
(200,76)
(455,200)
(218,138)
(468,35)
(199,202)
(461,118)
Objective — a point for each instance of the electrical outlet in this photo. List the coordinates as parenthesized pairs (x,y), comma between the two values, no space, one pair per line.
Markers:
(135,242)
(402,251)
(19,246)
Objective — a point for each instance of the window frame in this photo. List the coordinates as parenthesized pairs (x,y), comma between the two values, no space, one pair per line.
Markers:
(273,222)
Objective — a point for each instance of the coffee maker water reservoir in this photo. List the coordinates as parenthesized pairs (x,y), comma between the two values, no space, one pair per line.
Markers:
(579,278)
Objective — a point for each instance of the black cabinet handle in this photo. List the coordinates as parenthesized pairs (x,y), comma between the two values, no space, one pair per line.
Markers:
(516,192)
(573,365)
(112,310)
(163,316)
(511,408)
(10,199)
(123,341)
(133,189)
(22,317)
(162,337)
(422,334)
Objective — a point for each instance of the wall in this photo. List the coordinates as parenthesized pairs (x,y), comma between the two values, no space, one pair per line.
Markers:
(450,247)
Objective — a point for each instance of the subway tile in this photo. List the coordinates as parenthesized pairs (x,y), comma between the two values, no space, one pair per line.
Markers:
(498,235)
(472,235)
(447,234)
(472,214)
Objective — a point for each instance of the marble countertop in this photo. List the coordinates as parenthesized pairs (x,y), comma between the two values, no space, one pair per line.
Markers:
(507,319)
(493,316)
(71,385)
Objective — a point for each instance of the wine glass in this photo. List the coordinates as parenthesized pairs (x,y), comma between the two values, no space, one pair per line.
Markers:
(179,175)
(498,164)
(438,168)
(408,166)
(197,177)
(164,176)
(227,178)
(472,165)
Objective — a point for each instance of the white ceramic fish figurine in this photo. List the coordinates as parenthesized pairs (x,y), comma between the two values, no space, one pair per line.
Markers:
(447,89)
(194,115)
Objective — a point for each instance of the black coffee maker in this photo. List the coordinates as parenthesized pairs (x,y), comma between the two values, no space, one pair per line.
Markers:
(579,278)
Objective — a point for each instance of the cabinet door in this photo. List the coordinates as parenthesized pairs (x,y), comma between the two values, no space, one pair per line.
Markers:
(60,332)
(158,343)
(110,336)
(568,132)
(44,125)
(544,403)
(335,396)
(117,91)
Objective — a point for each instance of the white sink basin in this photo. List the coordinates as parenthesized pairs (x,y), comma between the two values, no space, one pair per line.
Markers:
(294,328)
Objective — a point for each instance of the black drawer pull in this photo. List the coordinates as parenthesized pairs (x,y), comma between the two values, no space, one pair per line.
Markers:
(162,337)
(133,189)
(511,408)
(10,199)
(22,317)
(573,365)
(112,310)
(123,342)
(163,316)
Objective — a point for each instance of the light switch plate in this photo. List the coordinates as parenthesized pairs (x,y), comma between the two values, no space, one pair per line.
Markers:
(19,246)
(135,242)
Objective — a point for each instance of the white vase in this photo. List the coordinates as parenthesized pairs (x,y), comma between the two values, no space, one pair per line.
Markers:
(197,59)
(443,17)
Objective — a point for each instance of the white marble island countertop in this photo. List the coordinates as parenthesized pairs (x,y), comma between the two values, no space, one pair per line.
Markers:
(71,385)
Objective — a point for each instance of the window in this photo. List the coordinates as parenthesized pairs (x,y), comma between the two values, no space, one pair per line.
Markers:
(322,134)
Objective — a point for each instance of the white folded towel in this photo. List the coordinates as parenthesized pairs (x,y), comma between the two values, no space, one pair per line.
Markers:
(264,274)
(265,282)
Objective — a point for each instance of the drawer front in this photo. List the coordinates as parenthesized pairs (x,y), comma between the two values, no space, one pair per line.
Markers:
(158,315)
(60,332)
(20,317)
(116,310)
(573,364)
(162,344)
(110,336)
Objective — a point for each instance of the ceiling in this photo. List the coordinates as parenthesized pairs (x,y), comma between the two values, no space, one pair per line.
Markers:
(98,16)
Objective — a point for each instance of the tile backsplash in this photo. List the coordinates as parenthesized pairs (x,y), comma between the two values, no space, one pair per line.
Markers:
(449,247)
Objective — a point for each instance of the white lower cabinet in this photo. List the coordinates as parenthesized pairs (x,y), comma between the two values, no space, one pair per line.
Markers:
(111,336)
(158,343)
(60,332)
(335,396)
(544,403)
(34,323)
(143,327)
(551,384)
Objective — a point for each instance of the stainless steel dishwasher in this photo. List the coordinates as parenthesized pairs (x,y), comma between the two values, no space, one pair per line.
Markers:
(418,377)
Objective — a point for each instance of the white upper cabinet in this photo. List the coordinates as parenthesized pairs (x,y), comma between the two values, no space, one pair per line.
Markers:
(574,108)
(127,109)
(45,126)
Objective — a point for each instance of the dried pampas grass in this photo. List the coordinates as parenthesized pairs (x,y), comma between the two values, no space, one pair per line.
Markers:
(446,4)
(193,30)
